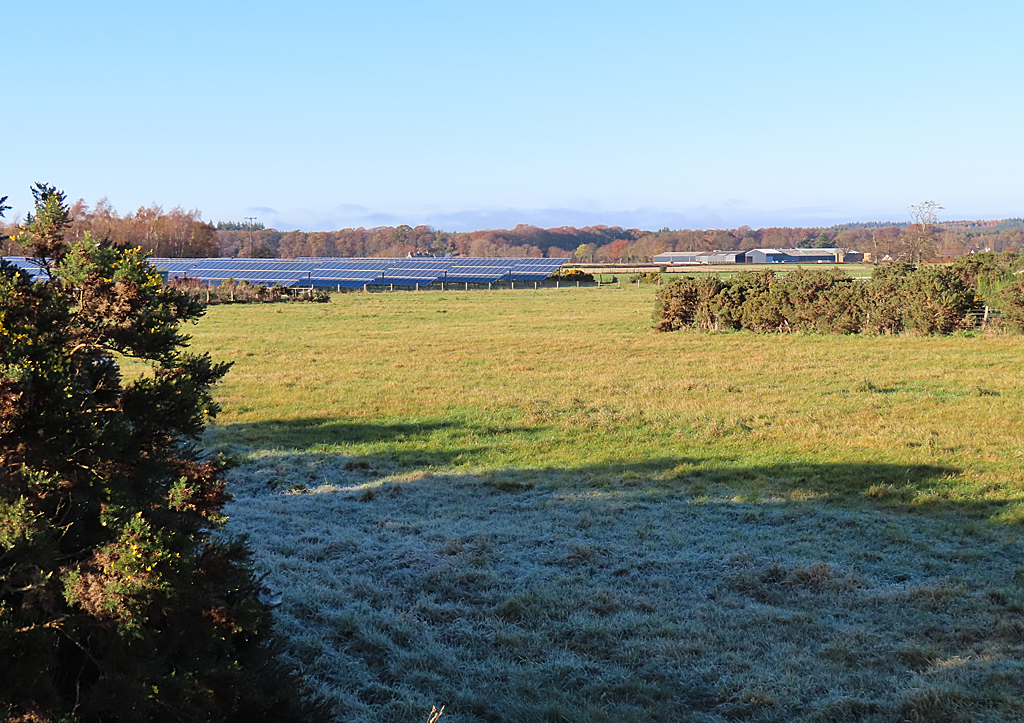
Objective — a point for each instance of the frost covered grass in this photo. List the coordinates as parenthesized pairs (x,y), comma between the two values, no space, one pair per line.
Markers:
(525,506)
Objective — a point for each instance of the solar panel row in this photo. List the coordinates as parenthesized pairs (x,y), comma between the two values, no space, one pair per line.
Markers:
(352,273)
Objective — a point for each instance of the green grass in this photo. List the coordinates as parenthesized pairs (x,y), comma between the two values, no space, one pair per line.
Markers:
(526,506)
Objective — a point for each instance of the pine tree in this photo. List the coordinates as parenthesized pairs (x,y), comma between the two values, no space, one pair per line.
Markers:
(118,599)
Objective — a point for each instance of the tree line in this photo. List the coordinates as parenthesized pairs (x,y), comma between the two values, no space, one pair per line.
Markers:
(174,233)
(178,233)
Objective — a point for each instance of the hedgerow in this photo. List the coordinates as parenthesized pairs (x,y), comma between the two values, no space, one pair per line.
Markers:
(930,299)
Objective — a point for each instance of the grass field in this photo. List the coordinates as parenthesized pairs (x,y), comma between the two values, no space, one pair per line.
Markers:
(527,506)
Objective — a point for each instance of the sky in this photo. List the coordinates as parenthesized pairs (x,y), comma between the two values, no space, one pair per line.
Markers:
(470,115)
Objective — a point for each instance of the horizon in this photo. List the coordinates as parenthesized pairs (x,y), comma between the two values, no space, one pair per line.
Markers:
(382,221)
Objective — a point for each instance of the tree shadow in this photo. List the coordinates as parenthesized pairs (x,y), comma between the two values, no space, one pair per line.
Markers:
(566,569)
(410,447)
(305,433)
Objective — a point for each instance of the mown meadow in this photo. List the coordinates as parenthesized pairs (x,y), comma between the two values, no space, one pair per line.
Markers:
(526,505)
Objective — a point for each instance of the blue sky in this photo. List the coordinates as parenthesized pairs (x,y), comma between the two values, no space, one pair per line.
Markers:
(466,115)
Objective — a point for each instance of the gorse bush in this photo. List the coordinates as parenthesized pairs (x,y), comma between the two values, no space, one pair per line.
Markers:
(1011,302)
(936,300)
(989,273)
(898,297)
(646,278)
(117,601)
(574,275)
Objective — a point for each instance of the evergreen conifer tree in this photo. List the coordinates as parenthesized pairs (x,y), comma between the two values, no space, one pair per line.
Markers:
(118,601)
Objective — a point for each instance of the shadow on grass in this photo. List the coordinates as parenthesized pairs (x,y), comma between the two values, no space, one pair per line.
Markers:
(562,584)
(910,488)
(406,452)
(563,588)
(438,447)
(312,432)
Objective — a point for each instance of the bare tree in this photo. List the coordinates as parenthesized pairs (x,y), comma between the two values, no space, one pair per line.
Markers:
(919,238)
(925,213)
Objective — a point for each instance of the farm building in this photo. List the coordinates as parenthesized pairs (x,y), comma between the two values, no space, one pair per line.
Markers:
(699,257)
(802,256)
(760,256)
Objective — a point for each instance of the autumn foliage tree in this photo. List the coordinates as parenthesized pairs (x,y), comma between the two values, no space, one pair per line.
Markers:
(118,602)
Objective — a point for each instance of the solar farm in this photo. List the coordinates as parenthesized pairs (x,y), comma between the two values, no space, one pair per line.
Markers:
(348,273)
(356,273)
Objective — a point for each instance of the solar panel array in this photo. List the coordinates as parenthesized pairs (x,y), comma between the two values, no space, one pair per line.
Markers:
(351,273)
(354,273)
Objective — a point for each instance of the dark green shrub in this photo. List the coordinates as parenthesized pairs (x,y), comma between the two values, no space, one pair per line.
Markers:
(816,300)
(933,299)
(988,273)
(674,305)
(885,304)
(727,304)
(1011,303)
(117,602)
(936,300)
(763,301)
(842,309)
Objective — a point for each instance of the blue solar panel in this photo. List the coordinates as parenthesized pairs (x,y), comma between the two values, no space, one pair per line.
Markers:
(356,272)
(28,265)
(536,269)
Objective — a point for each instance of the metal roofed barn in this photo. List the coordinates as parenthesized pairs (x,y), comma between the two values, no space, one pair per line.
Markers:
(699,257)
(760,256)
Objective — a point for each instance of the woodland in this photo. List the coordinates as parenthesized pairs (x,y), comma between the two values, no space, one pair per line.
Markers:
(182,233)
